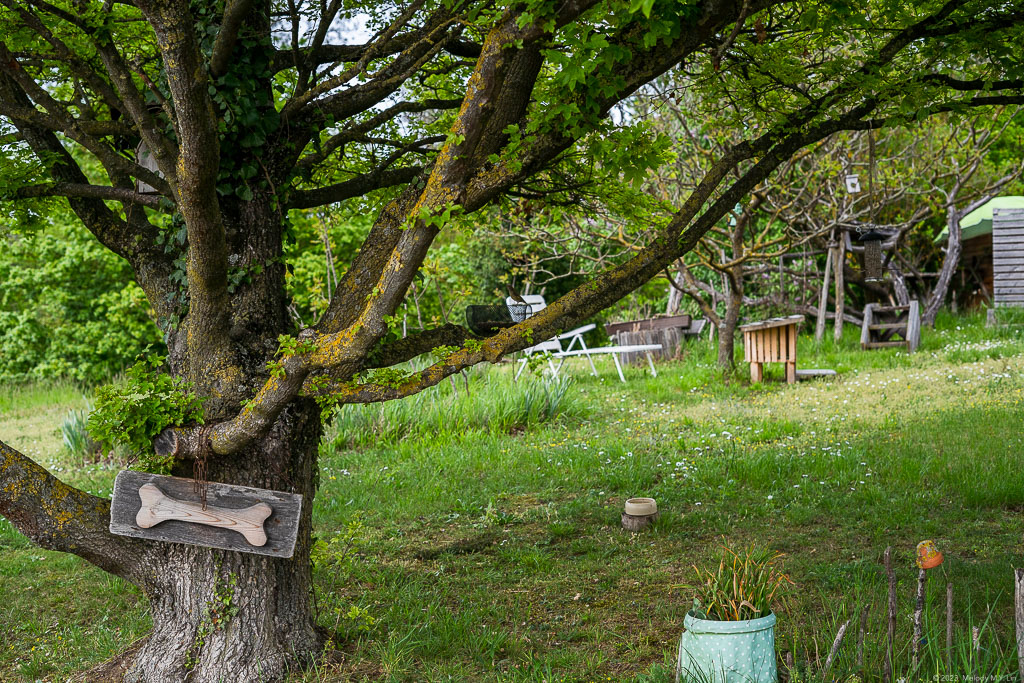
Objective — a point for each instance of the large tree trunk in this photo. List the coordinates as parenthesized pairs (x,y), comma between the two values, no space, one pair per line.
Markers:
(675,296)
(227,616)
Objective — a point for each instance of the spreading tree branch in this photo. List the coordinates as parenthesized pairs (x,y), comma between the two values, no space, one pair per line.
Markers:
(353,187)
(356,131)
(196,191)
(56,516)
(136,241)
(120,194)
(417,344)
(339,54)
(234,15)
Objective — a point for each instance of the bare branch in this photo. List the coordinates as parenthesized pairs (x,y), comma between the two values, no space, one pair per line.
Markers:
(330,54)
(354,132)
(354,187)
(120,194)
(57,117)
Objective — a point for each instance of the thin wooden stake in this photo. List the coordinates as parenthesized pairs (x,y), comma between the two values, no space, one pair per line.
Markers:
(1018,599)
(835,649)
(860,636)
(891,635)
(949,625)
(840,258)
(819,326)
(915,646)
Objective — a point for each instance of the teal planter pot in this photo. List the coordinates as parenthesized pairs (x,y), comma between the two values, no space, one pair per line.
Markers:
(727,651)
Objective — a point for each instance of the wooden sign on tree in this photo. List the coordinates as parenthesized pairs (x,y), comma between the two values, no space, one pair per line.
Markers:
(241,518)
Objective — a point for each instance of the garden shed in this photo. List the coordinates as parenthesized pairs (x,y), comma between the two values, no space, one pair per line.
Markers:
(977,276)
(1008,256)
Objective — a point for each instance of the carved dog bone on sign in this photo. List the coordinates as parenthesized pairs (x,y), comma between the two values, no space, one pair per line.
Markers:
(223,500)
(159,507)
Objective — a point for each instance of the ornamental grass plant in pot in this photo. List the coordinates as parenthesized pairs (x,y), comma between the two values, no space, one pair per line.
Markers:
(730,632)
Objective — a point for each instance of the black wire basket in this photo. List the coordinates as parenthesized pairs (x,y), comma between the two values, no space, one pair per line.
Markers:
(485,320)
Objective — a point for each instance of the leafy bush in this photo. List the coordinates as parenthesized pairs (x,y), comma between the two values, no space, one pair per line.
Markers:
(68,308)
(134,411)
(743,587)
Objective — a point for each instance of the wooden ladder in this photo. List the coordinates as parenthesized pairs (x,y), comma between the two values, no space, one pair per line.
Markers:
(882,323)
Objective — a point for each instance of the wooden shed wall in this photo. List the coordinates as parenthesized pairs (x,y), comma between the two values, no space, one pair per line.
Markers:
(976,271)
(1008,256)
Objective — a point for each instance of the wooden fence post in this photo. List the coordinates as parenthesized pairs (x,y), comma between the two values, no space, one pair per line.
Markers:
(949,625)
(860,636)
(835,649)
(819,327)
(891,576)
(915,645)
(1018,613)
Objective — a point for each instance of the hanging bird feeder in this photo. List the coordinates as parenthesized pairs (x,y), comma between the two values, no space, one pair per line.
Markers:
(486,320)
(872,241)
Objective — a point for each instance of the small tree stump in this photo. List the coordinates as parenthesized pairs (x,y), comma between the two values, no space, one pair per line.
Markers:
(638,522)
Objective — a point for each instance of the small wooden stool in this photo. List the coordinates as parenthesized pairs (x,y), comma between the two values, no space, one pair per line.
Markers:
(771,341)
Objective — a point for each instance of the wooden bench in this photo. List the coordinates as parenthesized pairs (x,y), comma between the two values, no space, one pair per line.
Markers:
(882,323)
(668,331)
(771,341)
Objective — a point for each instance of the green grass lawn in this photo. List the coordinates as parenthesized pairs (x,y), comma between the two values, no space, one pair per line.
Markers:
(476,538)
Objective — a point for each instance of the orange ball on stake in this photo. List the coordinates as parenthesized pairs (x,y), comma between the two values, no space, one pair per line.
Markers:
(928,555)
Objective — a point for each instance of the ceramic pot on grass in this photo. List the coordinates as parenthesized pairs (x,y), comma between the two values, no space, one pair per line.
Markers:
(712,651)
(730,631)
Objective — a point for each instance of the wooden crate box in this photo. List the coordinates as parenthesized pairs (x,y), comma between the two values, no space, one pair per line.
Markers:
(771,341)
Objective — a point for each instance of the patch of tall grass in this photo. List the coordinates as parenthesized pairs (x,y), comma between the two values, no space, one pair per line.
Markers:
(76,438)
(488,401)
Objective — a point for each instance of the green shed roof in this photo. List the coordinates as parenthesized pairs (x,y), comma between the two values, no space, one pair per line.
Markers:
(979,221)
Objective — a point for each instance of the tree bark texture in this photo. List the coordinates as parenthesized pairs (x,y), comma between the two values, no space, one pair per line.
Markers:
(727,330)
(221,615)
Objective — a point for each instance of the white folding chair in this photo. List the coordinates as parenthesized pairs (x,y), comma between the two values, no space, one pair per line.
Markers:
(554,345)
